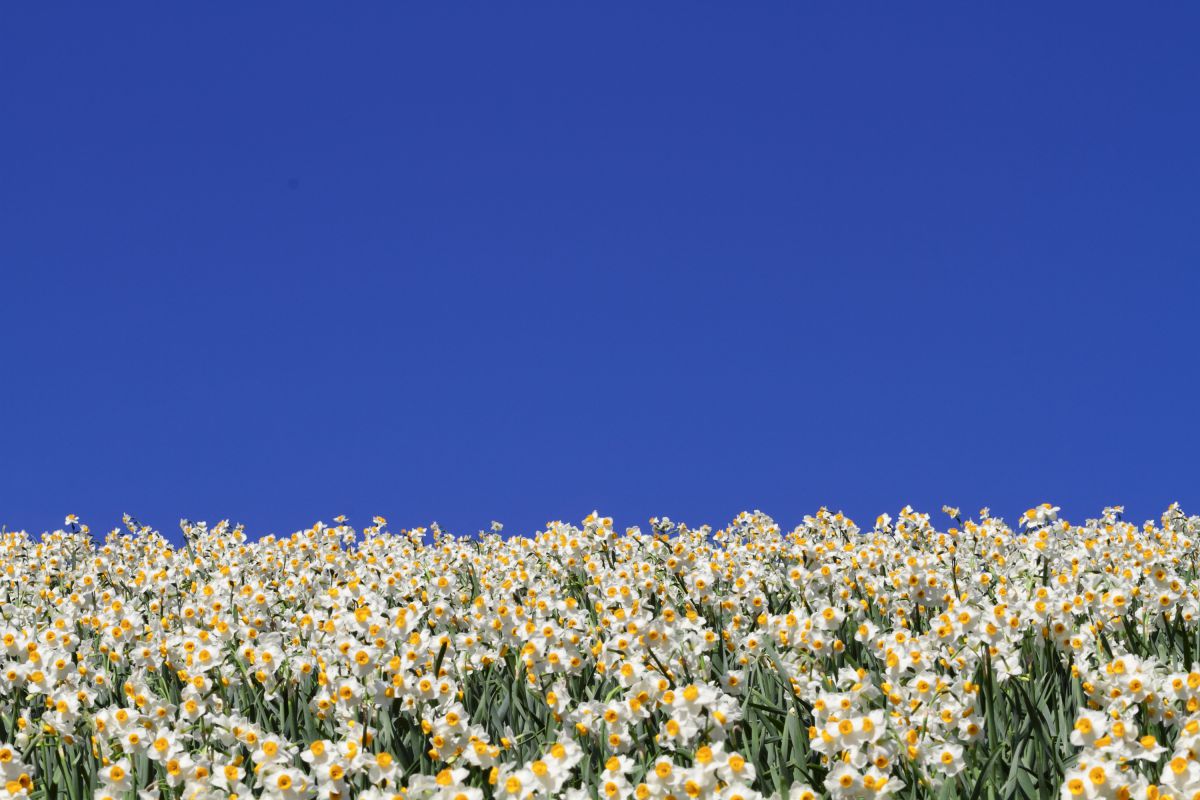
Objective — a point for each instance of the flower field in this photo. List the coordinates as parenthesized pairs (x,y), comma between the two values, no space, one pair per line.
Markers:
(972,659)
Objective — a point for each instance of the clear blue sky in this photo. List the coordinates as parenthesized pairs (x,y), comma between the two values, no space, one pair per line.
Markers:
(516,261)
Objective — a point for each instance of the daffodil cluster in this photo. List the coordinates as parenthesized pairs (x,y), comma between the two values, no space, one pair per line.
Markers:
(897,660)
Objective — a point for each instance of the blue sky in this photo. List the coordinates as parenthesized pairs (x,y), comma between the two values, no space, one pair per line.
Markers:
(464,262)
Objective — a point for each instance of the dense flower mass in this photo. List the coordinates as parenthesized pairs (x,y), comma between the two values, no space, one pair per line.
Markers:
(980,661)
